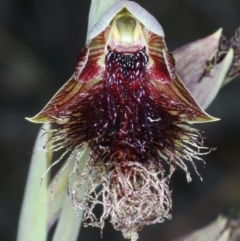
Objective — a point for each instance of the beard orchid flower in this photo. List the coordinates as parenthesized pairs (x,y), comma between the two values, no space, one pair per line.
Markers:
(128,108)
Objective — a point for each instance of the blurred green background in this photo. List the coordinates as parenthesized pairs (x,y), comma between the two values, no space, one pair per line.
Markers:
(39,45)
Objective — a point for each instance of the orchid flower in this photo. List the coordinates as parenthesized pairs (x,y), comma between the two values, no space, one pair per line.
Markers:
(125,118)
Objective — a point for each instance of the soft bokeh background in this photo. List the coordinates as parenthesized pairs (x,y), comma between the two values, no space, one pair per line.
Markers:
(39,44)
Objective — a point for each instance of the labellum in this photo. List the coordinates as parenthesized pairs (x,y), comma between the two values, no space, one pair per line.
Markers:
(126,104)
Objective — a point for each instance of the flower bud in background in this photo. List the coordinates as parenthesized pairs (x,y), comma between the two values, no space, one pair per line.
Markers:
(224,46)
(221,229)
(207,64)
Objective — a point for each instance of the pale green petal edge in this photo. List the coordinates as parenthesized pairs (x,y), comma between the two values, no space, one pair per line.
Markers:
(56,193)
(69,223)
(33,218)
(97,9)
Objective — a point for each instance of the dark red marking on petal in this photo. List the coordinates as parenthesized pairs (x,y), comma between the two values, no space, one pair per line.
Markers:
(95,62)
(162,63)
(56,108)
(81,62)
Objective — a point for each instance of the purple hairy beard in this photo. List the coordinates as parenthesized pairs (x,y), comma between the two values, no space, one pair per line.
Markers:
(133,131)
(124,117)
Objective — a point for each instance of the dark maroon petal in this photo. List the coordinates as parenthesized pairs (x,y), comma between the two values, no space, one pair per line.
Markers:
(127,116)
